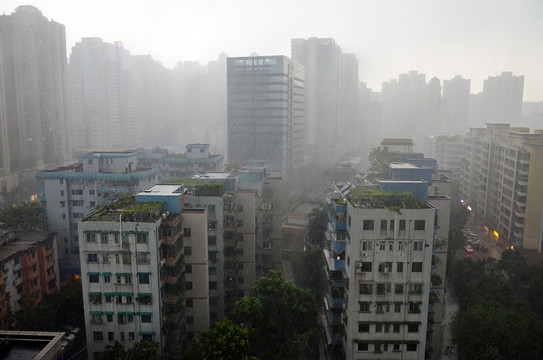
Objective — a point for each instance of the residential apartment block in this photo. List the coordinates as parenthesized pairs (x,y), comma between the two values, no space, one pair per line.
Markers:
(379,267)
(144,262)
(70,192)
(502,181)
(28,271)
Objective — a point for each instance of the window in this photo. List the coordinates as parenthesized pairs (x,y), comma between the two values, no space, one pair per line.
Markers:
(364,306)
(212,270)
(412,328)
(383,225)
(380,308)
(94,278)
(131,336)
(367,225)
(188,268)
(98,335)
(129,299)
(363,327)
(63,216)
(146,318)
(402,225)
(415,288)
(381,289)
(363,346)
(188,250)
(411,347)
(390,246)
(109,298)
(211,240)
(239,223)
(366,266)
(366,288)
(186,232)
(396,328)
(61,192)
(417,245)
(190,303)
(367,245)
(213,285)
(105,259)
(396,347)
(91,237)
(122,336)
(143,278)
(127,259)
(109,317)
(416,267)
(420,224)
(414,307)
(377,347)
(391,227)
(110,336)
(188,285)
(385,267)
(400,246)
(91,192)
(397,307)
(382,246)
(143,258)
(398,288)
(378,328)
(141,238)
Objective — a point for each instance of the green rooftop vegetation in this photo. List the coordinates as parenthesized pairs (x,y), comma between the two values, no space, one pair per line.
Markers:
(202,188)
(126,209)
(393,200)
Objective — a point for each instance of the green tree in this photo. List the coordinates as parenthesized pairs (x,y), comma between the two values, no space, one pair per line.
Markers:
(26,216)
(490,331)
(224,341)
(144,350)
(309,271)
(281,319)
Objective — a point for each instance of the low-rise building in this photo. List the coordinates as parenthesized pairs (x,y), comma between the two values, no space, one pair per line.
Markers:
(28,270)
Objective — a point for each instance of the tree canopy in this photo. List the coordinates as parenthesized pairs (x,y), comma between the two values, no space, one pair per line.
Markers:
(281,319)
(144,350)
(225,340)
(26,216)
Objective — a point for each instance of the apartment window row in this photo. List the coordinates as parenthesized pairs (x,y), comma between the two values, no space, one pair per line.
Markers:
(97,317)
(120,278)
(142,258)
(388,327)
(387,267)
(385,346)
(381,307)
(99,336)
(368,245)
(369,288)
(370,224)
(113,236)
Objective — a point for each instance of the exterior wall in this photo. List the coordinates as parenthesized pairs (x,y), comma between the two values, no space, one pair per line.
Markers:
(109,255)
(533,223)
(266,111)
(196,270)
(389,246)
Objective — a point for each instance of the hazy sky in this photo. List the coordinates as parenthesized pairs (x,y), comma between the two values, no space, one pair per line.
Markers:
(440,38)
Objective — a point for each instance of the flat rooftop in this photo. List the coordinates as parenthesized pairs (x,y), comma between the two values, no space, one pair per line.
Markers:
(404,166)
(381,199)
(162,190)
(30,345)
(22,242)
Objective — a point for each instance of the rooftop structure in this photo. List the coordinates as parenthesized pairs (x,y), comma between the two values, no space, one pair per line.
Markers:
(31,345)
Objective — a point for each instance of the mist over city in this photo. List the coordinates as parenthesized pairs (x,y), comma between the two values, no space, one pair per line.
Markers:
(288,180)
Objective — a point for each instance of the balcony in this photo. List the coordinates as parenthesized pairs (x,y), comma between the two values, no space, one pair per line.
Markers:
(521,193)
(519,225)
(519,214)
(517,235)
(520,204)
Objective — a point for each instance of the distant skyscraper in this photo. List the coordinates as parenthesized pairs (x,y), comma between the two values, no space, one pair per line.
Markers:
(33,126)
(321,59)
(266,111)
(105,106)
(502,98)
(455,104)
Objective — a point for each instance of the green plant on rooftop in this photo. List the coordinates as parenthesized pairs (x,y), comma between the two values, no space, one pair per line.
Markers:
(380,159)
(202,188)
(394,200)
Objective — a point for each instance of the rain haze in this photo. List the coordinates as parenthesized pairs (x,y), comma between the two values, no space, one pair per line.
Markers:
(439,38)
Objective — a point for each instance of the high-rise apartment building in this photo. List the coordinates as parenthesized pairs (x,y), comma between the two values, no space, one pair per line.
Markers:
(331,91)
(33,113)
(104,97)
(145,271)
(455,104)
(28,271)
(266,111)
(379,267)
(501,182)
(72,191)
(502,98)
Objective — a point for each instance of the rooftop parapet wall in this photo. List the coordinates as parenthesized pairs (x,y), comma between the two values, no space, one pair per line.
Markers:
(371,199)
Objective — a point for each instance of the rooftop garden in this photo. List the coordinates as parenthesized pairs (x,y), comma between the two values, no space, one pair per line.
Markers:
(126,209)
(202,188)
(393,200)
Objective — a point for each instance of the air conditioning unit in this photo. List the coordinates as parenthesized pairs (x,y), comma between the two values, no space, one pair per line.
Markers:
(358,264)
(364,254)
(266,206)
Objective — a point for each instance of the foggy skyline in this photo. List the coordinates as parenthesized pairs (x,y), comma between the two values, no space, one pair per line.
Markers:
(475,40)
